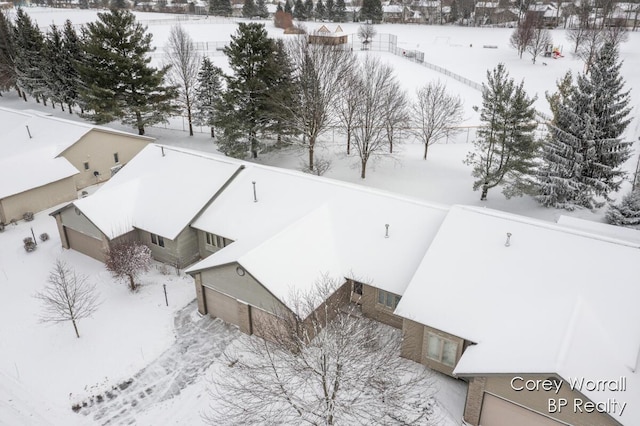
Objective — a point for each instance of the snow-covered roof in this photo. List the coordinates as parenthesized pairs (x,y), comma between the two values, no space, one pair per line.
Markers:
(160,191)
(337,228)
(555,300)
(31,145)
(612,231)
(486,5)
(392,8)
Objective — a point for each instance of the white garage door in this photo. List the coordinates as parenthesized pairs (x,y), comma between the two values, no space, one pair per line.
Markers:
(500,412)
(221,306)
(85,244)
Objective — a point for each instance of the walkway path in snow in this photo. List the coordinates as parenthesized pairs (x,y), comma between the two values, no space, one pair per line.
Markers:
(199,342)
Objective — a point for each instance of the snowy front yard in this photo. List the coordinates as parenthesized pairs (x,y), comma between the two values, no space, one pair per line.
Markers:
(137,361)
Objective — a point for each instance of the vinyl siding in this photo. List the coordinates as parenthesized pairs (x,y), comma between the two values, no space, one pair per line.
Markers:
(37,199)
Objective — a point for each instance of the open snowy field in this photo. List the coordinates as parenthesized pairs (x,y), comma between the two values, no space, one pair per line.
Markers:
(44,369)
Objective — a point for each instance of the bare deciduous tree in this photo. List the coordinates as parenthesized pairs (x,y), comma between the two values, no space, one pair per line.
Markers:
(347,106)
(591,44)
(617,33)
(366,33)
(67,296)
(434,113)
(319,71)
(396,112)
(127,260)
(376,86)
(522,35)
(540,41)
(184,59)
(323,365)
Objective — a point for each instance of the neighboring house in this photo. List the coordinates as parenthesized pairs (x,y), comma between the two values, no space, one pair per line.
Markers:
(152,200)
(300,229)
(324,36)
(500,299)
(392,13)
(46,160)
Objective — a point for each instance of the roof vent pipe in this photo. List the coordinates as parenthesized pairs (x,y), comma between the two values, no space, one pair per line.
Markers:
(29,131)
(255,197)
(162,149)
(508,242)
(386,231)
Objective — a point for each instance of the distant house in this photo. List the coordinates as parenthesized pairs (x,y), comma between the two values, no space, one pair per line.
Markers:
(393,13)
(324,36)
(46,160)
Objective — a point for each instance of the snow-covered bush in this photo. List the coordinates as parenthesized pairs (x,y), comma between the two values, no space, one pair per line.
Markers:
(44,237)
(29,244)
(127,260)
(28,216)
(627,213)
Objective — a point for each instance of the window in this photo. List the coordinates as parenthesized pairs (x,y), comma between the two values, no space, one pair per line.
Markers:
(157,240)
(387,299)
(116,159)
(213,240)
(86,165)
(442,350)
(357,288)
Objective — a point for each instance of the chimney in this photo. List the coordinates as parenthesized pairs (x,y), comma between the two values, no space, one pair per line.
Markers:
(386,230)
(255,196)
(508,242)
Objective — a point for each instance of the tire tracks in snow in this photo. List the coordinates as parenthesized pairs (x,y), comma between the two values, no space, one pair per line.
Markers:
(198,344)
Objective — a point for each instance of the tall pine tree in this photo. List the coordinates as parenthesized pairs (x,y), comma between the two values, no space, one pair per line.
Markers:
(300,11)
(340,14)
(8,75)
(29,42)
(321,12)
(208,94)
(73,56)
(220,7)
(261,7)
(330,10)
(371,11)
(120,84)
(53,66)
(506,148)
(308,6)
(245,103)
(249,9)
(585,152)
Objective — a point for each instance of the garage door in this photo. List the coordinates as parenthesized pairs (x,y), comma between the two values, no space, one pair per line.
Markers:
(85,244)
(221,306)
(500,412)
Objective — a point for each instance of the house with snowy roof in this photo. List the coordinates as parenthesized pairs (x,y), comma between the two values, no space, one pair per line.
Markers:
(152,200)
(46,160)
(540,319)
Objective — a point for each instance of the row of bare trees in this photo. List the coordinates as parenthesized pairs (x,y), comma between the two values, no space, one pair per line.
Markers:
(329,88)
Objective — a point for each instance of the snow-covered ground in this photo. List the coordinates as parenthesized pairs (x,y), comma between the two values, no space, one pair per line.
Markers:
(44,369)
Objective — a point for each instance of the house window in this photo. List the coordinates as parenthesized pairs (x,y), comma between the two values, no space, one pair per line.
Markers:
(86,165)
(442,350)
(357,288)
(387,299)
(116,159)
(213,240)
(157,240)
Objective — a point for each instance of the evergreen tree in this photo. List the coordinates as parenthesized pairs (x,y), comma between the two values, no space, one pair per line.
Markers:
(263,12)
(29,42)
(245,103)
(585,152)
(506,148)
(71,59)
(249,9)
(627,213)
(340,14)
(453,17)
(299,11)
(220,8)
(8,75)
(119,82)
(371,11)
(279,7)
(118,4)
(53,66)
(208,94)
(320,12)
(308,7)
(282,96)
(330,10)
(287,7)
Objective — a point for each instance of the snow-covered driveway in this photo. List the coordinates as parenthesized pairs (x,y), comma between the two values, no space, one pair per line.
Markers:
(199,342)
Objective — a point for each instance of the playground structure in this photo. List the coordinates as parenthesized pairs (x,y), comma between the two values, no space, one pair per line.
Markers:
(551,51)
